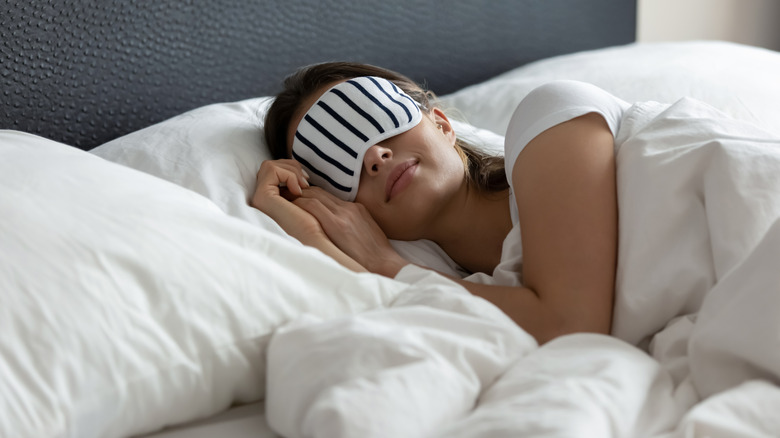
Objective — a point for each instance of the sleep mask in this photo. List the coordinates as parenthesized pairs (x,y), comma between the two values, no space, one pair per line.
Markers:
(334,135)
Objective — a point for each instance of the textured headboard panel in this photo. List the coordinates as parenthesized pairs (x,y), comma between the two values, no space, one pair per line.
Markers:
(84,72)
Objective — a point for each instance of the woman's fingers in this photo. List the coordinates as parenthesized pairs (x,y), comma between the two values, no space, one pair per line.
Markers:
(315,201)
(300,174)
(343,221)
(330,201)
(278,178)
(269,168)
(335,214)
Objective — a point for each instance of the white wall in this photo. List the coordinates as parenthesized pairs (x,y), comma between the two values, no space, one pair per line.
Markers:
(753,22)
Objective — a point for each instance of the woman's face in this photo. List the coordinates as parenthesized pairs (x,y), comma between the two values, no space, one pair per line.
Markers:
(409,179)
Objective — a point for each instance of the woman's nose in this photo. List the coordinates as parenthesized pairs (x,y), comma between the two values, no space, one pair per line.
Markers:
(376,157)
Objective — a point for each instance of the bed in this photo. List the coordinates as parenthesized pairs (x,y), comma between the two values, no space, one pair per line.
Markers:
(140,294)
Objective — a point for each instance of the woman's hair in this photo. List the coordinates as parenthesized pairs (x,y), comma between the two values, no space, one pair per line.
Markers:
(484,171)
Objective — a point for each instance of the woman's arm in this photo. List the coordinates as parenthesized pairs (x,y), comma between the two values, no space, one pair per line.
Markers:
(564,184)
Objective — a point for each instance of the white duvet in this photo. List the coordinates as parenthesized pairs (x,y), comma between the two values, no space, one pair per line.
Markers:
(698,284)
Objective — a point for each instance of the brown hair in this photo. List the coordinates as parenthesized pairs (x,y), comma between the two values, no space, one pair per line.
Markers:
(485,172)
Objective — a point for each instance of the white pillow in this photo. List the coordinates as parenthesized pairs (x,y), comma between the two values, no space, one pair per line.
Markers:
(129,303)
(739,80)
(216,151)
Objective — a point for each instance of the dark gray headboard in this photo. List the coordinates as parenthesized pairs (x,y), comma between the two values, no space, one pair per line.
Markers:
(84,72)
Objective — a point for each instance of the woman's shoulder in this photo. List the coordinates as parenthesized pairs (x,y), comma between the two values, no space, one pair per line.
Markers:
(565,97)
(554,103)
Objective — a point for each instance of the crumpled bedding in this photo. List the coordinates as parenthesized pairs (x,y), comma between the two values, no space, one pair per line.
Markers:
(696,329)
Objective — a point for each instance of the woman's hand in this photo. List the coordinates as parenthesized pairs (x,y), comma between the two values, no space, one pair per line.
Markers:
(350,226)
(279,183)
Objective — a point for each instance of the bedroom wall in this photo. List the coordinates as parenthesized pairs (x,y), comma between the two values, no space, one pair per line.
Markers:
(752,22)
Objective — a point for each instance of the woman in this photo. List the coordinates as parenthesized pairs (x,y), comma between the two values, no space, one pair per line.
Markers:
(369,135)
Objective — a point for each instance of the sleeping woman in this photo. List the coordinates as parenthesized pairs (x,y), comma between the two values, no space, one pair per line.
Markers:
(362,155)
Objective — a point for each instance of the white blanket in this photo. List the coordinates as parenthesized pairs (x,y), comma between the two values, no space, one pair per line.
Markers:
(699,198)
(698,287)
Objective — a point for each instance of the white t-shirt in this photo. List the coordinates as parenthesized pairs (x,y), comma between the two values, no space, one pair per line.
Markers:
(544,107)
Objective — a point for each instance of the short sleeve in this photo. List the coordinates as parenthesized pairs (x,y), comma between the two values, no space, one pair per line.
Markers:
(552,104)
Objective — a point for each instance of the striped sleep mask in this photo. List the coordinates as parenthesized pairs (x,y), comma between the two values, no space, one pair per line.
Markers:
(334,135)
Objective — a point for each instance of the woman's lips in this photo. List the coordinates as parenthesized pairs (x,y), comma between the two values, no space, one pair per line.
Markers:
(399,178)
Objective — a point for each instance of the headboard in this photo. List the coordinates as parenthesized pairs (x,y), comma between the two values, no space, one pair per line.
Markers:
(86,71)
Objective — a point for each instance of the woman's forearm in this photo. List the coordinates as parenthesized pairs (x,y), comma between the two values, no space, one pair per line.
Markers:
(542,320)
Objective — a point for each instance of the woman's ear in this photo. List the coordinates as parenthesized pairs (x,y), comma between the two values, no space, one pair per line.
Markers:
(443,124)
